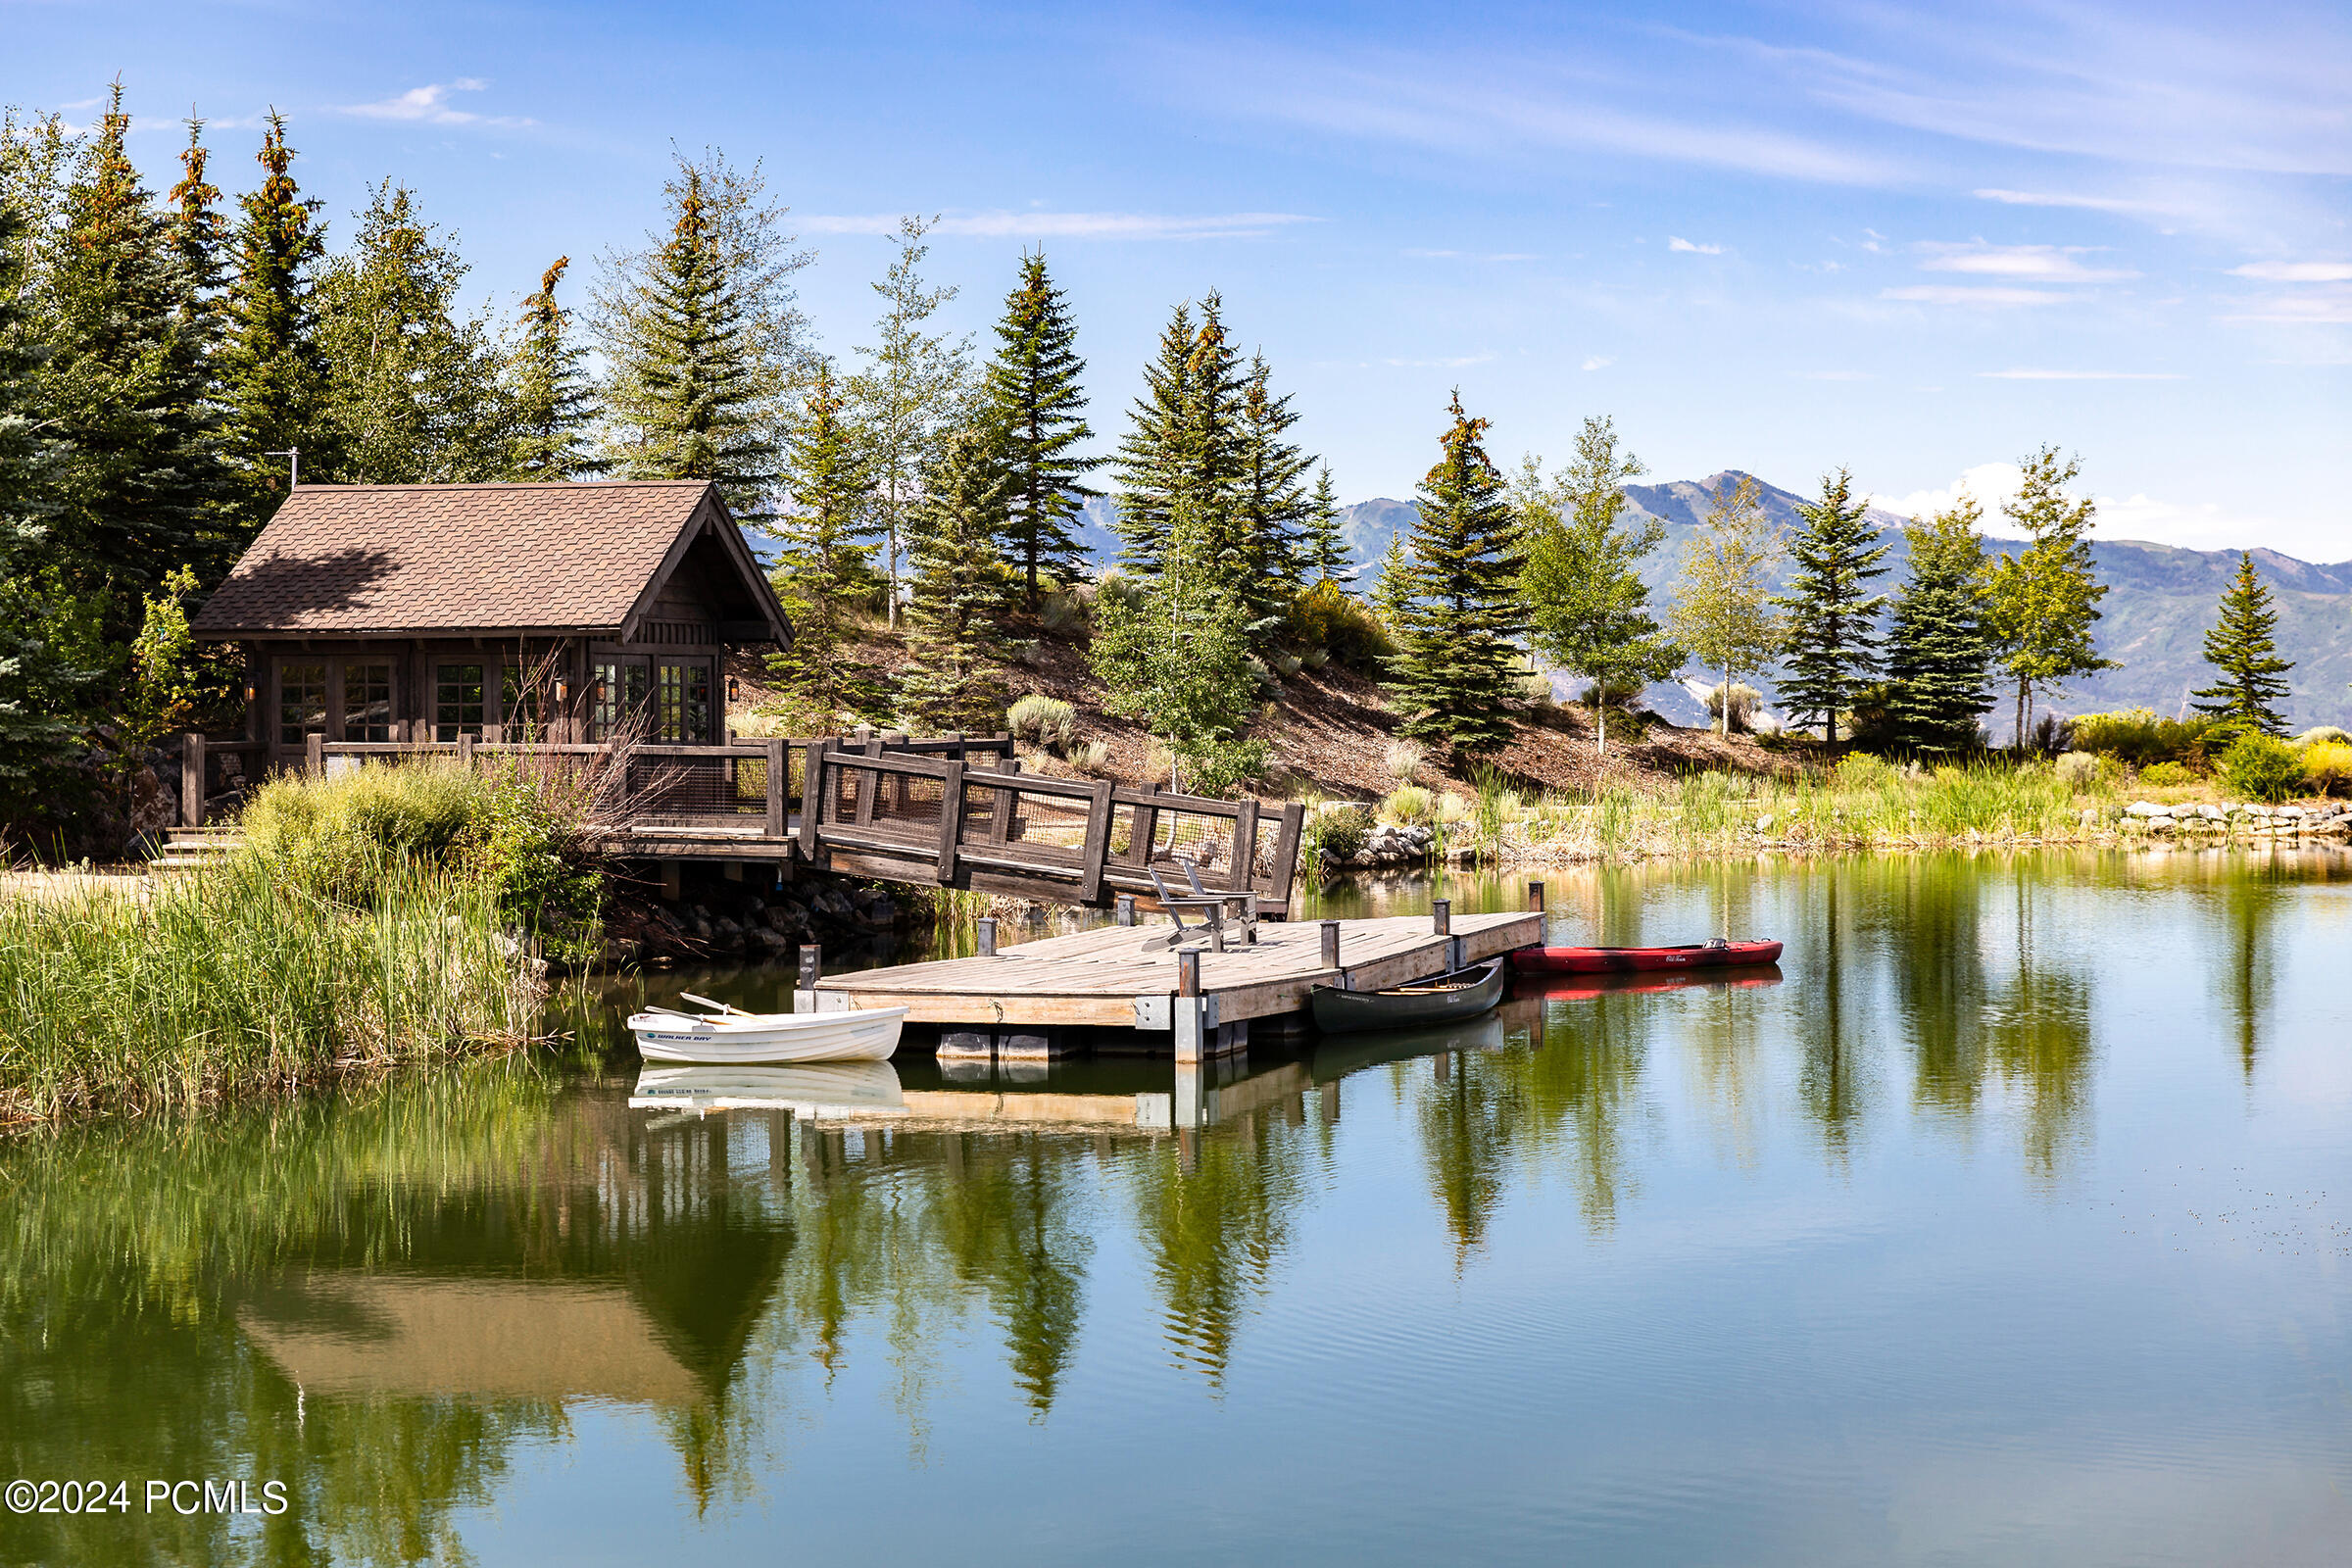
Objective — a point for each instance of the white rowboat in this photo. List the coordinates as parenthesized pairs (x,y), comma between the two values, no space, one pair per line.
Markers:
(819,1090)
(867,1034)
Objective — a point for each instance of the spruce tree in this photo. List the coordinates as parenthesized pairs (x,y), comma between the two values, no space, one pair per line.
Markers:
(1324,549)
(1455,665)
(413,394)
(125,390)
(826,565)
(908,398)
(1270,503)
(1149,466)
(273,377)
(1722,609)
(1587,607)
(1937,647)
(2043,603)
(1832,640)
(2243,650)
(702,333)
(200,239)
(553,403)
(961,590)
(1394,593)
(1036,401)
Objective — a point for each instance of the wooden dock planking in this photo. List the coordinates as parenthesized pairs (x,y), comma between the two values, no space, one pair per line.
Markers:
(1100,977)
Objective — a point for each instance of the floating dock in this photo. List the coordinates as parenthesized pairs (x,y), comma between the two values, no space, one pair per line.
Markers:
(1122,977)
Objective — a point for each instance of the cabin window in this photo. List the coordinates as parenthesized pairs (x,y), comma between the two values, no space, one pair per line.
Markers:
(301,702)
(682,710)
(618,701)
(456,701)
(366,701)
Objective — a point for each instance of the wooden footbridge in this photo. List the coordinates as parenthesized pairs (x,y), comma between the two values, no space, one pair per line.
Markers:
(956,812)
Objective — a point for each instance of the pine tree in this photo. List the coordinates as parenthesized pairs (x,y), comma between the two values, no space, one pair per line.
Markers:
(2243,650)
(553,403)
(1394,593)
(1587,605)
(1270,503)
(961,588)
(1722,609)
(1325,548)
(413,392)
(200,240)
(125,390)
(1936,646)
(40,694)
(908,396)
(1149,464)
(1455,665)
(826,565)
(273,377)
(1035,398)
(2042,603)
(702,334)
(1185,446)
(1832,640)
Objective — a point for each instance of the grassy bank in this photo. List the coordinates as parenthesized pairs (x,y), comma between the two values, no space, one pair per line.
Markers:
(391,915)
(1862,804)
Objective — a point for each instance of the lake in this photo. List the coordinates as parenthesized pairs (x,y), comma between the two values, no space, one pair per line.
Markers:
(2009,1220)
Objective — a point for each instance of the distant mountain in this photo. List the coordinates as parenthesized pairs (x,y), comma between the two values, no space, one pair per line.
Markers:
(2161,598)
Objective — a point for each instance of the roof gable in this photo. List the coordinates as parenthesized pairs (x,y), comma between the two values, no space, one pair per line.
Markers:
(407,560)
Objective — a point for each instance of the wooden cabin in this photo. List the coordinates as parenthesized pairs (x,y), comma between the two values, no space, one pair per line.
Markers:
(558,612)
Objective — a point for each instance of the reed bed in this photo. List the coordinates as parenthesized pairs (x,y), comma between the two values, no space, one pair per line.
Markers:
(238,977)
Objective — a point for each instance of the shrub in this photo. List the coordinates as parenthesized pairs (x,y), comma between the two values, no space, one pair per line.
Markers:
(2084,771)
(1220,767)
(1404,759)
(1407,804)
(1043,721)
(1287,665)
(1315,657)
(1062,614)
(2136,737)
(1535,689)
(1327,616)
(1119,589)
(2324,734)
(2262,766)
(1861,770)
(1744,698)
(2163,776)
(1091,757)
(1334,835)
(2327,766)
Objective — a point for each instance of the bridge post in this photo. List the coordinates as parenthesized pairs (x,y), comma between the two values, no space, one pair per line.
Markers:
(1098,843)
(1244,848)
(779,778)
(951,819)
(814,794)
(191,779)
(314,754)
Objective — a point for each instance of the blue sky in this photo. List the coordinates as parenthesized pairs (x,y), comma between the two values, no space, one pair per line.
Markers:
(1780,238)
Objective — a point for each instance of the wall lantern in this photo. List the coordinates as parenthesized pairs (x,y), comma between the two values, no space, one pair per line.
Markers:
(250,692)
(734,690)
(563,691)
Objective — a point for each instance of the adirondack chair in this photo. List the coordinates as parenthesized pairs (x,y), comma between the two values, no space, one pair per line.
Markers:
(1210,907)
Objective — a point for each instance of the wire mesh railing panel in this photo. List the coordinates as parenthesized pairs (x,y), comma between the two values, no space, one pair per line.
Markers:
(1207,841)
(905,805)
(673,788)
(1057,821)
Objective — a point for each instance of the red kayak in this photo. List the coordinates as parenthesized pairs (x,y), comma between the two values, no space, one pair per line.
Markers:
(1623,960)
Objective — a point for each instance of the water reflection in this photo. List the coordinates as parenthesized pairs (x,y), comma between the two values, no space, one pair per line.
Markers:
(390,1299)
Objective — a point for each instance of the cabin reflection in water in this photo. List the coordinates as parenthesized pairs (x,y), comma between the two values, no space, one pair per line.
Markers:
(634,1275)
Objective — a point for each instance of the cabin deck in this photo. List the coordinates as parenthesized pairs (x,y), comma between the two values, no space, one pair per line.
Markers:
(1104,979)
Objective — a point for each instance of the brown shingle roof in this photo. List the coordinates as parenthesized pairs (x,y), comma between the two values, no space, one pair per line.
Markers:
(390,558)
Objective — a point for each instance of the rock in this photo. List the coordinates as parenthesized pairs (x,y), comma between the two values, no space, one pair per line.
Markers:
(2212,814)
(2147,809)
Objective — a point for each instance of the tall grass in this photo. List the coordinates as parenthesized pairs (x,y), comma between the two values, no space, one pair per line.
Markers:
(239,977)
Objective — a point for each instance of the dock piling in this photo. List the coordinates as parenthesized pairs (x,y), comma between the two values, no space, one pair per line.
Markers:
(1440,915)
(988,934)
(1124,905)
(1534,897)
(1330,944)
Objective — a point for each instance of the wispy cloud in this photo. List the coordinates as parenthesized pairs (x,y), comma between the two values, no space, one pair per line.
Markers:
(1002,223)
(1990,299)
(1597,362)
(1676,242)
(2083,376)
(2032,264)
(429,105)
(2037,198)
(2296,271)
(2331,306)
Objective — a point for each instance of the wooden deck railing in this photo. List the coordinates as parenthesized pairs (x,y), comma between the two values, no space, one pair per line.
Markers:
(950,812)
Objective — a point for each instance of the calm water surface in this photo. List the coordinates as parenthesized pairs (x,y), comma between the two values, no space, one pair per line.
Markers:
(2010,1222)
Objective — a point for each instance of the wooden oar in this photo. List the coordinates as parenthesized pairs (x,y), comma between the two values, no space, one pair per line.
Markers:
(688,996)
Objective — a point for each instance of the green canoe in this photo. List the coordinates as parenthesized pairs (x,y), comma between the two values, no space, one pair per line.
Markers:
(1464,994)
